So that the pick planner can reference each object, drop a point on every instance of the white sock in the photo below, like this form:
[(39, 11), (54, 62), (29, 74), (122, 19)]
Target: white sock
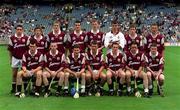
[(146, 90), (128, 89), (150, 87)]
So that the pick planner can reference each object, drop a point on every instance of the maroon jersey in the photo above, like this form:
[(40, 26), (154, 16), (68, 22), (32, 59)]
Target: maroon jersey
[(134, 61), (98, 37), (18, 45), (114, 63), (32, 61), (159, 40), (75, 65), (81, 40), (41, 44), (155, 63), (60, 39), (94, 61), (54, 62), (129, 40)]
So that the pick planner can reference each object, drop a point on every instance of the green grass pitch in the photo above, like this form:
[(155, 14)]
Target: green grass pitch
[(171, 101)]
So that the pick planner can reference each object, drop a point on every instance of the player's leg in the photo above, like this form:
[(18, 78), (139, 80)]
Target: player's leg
[(143, 76), (38, 82), (160, 82), (46, 75), (19, 82), (150, 82), (102, 82), (15, 63), (110, 83), (121, 75), (61, 78), (88, 82), (66, 82), (83, 82), (128, 81)]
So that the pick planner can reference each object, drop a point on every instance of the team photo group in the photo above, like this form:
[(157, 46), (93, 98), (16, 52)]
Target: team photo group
[(86, 63)]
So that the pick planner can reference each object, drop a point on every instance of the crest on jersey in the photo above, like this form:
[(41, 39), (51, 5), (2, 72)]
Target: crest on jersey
[(157, 60), (158, 40), (23, 40), (150, 40), (110, 60), (72, 61), (79, 61), (49, 59), (119, 59), (150, 60), (60, 38), (99, 36), (91, 37), (14, 40), (97, 58), (129, 58), (137, 41), (42, 43), (129, 42), (58, 58), (138, 57), (36, 58), (73, 38), (52, 38), (29, 58), (82, 37)]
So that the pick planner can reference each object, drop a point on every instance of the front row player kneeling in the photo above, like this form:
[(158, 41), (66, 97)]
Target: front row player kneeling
[(31, 67), (54, 65), (134, 68), (154, 62), (94, 75), (115, 66), (75, 68)]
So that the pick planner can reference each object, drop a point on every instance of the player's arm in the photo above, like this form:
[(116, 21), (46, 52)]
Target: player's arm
[(101, 69), (107, 43), (70, 71), (41, 63)]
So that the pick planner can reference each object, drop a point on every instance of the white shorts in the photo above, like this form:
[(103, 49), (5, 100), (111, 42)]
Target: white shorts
[(16, 63)]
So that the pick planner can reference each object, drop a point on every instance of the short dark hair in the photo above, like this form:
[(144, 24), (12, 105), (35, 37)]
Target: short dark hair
[(114, 22), (115, 43), (32, 42), (94, 42), (38, 27), (95, 20), (76, 46), (153, 45), (77, 21), (134, 43), (132, 26), (19, 26), (154, 24)]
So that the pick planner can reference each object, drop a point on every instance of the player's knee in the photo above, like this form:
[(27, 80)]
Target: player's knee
[(88, 76), (128, 74), (83, 75), (66, 75), (103, 76), (149, 74), (161, 77)]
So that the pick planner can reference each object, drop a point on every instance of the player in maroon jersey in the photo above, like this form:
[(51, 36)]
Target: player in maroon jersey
[(95, 64), (95, 35), (18, 44), (31, 66), (77, 37), (58, 36), (115, 66), (154, 61), (54, 65), (132, 36), (40, 39), (154, 37), (75, 68), (134, 60)]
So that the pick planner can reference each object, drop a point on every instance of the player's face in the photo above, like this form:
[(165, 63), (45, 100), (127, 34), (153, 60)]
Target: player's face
[(32, 48), (134, 49), (38, 32), (115, 47), (132, 30), (94, 47), (115, 27), (77, 26), (95, 25), (153, 50), (19, 30), (154, 29), (76, 51), (53, 46), (56, 27)]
